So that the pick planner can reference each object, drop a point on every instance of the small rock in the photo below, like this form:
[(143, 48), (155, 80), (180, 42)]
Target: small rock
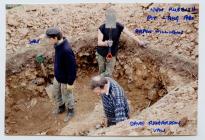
[(12, 22), (31, 9), (33, 102), (13, 122), (152, 94), (49, 90), (98, 126), (183, 35), (26, 117), (59, 123), (196, 25), (23, 32), (161, 92), (56, 10), (183, 121), (23, 84), (138, 60), (41, 89), (29, 25), (39, 81), (189, 31), (7, 131), (42, 133)]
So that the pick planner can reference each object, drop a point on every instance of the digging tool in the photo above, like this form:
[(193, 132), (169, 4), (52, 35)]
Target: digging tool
[(110, 23), (109, 55), (49, 88), (40, 59)]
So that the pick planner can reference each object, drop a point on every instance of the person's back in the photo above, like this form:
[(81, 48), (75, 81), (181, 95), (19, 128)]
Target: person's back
[(114, 101)]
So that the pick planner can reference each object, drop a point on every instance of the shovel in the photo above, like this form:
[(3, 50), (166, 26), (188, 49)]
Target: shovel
[(110, 24), (49, 88), (40, 59), (109, 55)]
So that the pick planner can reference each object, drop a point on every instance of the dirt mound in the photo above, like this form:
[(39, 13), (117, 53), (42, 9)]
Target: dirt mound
[(86, 18)]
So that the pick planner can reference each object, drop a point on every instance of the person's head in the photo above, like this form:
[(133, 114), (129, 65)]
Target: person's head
[(54, 35), (99, 84), (110, 18), (110, 11)]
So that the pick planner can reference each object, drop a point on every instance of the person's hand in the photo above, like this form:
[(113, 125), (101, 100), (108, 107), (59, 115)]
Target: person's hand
[(70, 87), (109, 43)]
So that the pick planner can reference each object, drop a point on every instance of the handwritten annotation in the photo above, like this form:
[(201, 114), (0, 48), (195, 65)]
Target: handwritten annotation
[(168, 18), (174, 9), (149, 31), (153, 123), (34, 41)]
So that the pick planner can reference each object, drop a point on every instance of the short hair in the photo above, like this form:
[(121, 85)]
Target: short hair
[(98, 81), (53, 32)]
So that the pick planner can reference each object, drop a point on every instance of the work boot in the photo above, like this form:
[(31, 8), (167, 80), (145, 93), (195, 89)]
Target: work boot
[(70, 113), (60, 109)]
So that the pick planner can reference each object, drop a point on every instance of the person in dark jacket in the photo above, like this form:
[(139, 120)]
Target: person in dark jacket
[(64, 72)]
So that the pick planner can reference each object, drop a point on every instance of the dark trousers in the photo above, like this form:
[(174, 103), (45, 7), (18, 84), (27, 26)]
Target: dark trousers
[(109, 123)]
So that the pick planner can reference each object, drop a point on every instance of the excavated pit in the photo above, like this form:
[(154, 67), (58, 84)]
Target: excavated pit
[(143, 73)]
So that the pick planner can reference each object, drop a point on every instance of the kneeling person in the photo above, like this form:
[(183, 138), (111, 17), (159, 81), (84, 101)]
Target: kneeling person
[(113, 98)]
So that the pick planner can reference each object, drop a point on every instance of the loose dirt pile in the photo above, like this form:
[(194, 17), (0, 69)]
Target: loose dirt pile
[(160, 81), (79, 19)]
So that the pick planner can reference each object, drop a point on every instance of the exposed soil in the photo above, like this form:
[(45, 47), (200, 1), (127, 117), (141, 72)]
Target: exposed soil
[(29, 110)]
